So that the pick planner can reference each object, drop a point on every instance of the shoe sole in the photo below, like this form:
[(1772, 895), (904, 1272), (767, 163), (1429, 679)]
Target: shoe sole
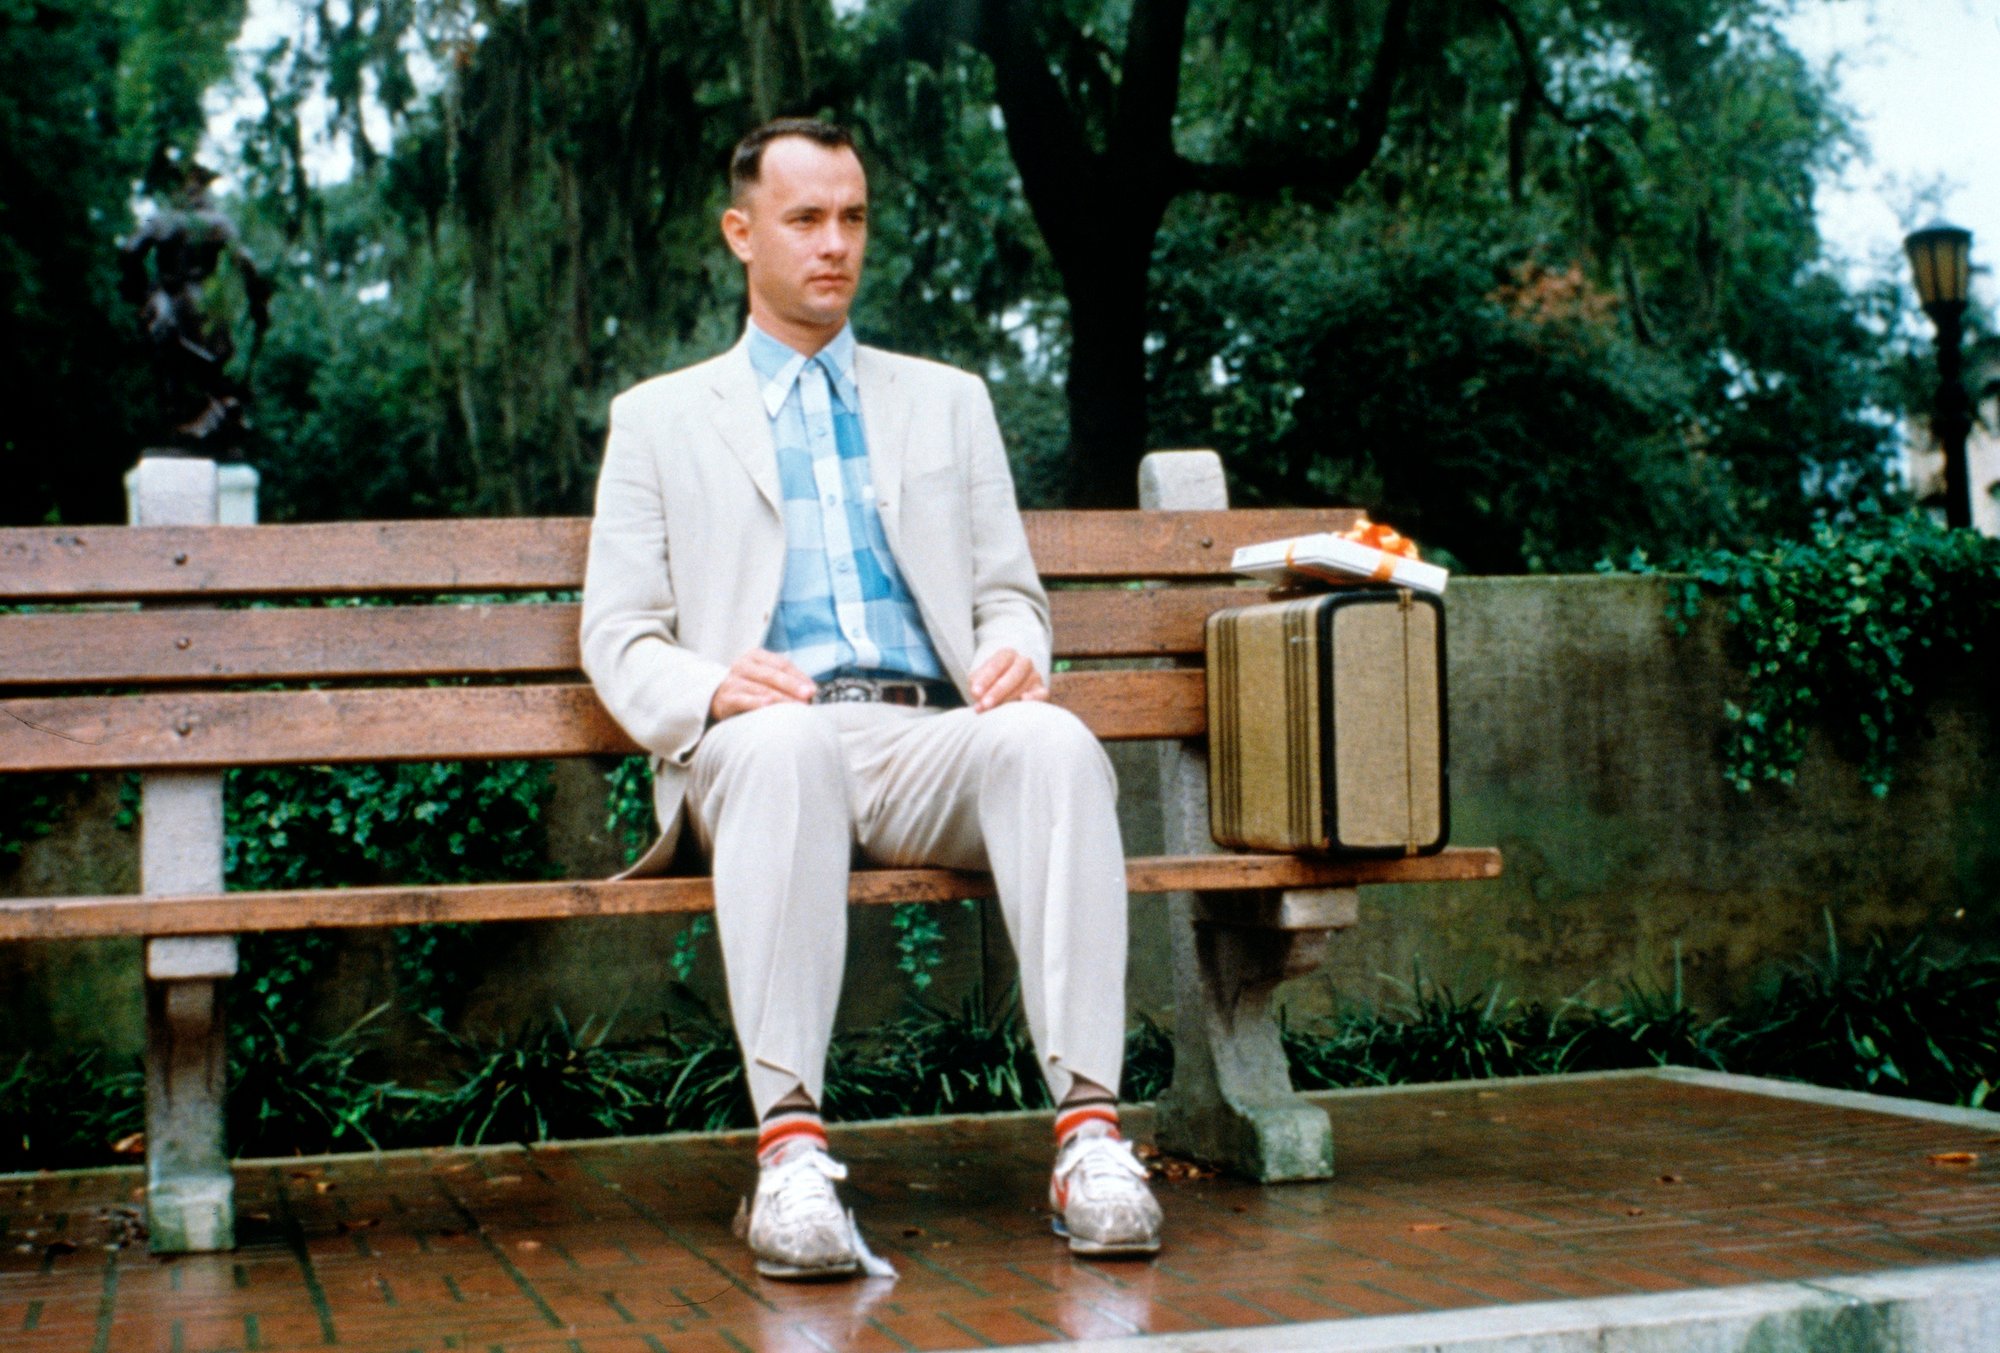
[(795, 1273), (1104, 1249)]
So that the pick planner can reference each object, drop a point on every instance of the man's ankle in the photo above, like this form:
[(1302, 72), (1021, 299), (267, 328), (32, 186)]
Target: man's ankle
[(1081, 1116), (787, 1130)]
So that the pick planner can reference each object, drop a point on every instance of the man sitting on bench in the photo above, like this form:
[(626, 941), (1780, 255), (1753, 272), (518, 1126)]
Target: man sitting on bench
[(809, 596)]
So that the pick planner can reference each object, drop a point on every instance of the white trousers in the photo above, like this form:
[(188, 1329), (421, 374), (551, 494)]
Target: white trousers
[(781, 798)]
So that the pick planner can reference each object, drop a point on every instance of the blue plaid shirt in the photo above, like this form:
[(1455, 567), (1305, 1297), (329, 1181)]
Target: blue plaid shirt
[(844, 606)]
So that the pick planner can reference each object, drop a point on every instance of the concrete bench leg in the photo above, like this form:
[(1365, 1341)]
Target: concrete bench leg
[(190, 1195), (1231, 1101)]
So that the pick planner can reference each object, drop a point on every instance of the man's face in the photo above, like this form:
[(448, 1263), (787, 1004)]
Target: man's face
[(800, 232)]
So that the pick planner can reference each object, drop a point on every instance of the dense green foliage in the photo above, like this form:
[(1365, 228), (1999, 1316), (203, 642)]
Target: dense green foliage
[(1894, 1021), (1852, 630), (1538, 281)]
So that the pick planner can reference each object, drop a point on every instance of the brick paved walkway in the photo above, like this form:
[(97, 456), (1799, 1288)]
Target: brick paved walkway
[(1447, 1198)]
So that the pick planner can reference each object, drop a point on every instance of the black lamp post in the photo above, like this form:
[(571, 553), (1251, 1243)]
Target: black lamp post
[(1941, 257)]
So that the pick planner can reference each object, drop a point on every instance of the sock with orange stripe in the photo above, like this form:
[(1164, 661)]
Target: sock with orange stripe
[(786, 1127), (1086, 1116)]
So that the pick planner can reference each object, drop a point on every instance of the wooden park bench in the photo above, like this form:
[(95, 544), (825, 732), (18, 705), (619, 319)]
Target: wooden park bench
[(126, 659)]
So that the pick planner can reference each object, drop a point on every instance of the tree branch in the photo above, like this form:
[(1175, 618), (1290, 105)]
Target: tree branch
[(1534, 90), (1326, 177), (1045, 131)]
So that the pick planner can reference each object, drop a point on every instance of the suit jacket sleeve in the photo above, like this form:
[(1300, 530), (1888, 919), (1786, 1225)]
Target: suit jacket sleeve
[(1009, 607), (657, 690)]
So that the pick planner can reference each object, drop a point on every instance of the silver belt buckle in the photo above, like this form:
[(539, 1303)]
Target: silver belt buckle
[(847, 691)]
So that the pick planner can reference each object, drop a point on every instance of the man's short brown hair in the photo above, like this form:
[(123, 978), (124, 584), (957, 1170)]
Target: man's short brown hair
[(746, 162)]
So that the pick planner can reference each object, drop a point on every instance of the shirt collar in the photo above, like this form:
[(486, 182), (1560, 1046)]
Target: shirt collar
[(778, 365)]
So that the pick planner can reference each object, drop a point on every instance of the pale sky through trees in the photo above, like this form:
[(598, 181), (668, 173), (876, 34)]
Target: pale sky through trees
[(1923, 77)]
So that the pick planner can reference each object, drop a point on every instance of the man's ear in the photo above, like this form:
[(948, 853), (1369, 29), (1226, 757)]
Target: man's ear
[(736, 233)]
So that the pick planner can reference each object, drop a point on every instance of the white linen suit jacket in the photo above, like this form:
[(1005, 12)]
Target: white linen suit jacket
[(687, 547)]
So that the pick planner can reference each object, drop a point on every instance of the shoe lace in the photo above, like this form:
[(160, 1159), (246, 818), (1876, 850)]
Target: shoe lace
[(1099, 1161), (801, 1183)]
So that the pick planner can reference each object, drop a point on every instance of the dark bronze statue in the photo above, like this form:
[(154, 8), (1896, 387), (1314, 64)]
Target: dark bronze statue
[(187, 243)]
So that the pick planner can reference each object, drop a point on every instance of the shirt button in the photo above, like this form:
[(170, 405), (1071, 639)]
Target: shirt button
[(833, 500)]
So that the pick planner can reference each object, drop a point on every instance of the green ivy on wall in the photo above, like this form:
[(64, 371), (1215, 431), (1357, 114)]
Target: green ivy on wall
[(1852, 631), (31, 806), (288, 827)]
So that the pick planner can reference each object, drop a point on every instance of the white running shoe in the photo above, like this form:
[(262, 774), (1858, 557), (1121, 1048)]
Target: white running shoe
[(1101, 1200), (798, 1229)]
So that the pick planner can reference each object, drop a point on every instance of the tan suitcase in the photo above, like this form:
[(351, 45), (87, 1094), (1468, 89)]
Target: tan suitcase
[(1326, 724)]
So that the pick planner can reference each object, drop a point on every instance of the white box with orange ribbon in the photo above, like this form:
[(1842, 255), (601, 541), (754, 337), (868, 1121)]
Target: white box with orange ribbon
[(1336, 560)]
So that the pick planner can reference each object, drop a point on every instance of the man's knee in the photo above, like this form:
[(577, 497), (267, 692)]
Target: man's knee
[(777, 738), (1044, 740)]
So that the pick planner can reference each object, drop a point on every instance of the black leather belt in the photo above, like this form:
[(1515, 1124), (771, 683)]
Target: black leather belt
[(843, 690)]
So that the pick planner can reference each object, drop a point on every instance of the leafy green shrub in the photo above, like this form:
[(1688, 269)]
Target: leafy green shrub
[(1851, 631), (288, 827)]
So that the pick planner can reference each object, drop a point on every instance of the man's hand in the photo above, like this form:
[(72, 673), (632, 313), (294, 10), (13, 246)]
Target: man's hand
[(1006, 676), (755, 680)]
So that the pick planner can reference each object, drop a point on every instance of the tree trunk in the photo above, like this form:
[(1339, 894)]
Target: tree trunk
[(1106, 388)]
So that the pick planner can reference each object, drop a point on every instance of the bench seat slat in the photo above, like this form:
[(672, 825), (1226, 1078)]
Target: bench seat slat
[(195, 730), (329, 643), (51, 918), (102, 563)]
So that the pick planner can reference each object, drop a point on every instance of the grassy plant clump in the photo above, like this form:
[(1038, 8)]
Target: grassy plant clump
[(1892, 1020), (293, 1095), (931, 1061), (1888, 1019), (56, 1113), (542, 1082)]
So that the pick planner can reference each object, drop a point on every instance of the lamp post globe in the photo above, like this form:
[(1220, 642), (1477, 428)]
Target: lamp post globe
[(1941, 259)]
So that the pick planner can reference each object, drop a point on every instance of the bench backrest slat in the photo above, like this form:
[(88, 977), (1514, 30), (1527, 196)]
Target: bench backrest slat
[(192, 730), (103, 563), (320, 643)]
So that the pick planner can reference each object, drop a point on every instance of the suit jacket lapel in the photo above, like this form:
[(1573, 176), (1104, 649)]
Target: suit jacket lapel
[(741, 423), (885, 419)]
